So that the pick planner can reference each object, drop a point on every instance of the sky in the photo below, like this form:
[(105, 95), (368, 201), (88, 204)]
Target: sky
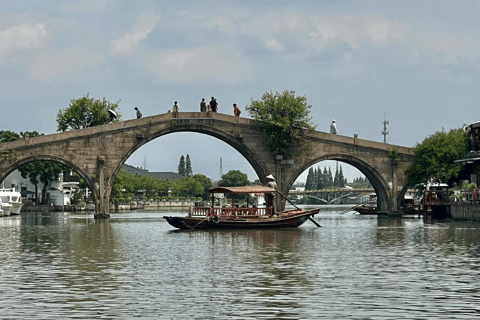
[(414, 62)]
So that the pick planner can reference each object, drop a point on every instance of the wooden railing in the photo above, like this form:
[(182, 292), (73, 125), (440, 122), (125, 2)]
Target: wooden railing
[(244, 212)]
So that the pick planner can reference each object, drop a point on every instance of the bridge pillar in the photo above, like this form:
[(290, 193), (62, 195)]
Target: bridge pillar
[(279, 201), (101, 201), (394, 205)]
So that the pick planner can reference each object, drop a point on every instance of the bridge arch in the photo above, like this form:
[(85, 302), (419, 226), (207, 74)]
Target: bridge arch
[(373, 175), (17, 164), (250, 155)]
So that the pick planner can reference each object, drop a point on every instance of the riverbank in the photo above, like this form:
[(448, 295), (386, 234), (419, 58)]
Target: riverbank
[(134, 205)]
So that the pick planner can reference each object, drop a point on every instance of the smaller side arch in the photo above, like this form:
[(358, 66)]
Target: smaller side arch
[(19, 162), (378, 182)]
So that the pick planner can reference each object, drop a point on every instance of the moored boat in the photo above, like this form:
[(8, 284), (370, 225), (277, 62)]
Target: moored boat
[(250, 215), (6, 208), (12, 197)]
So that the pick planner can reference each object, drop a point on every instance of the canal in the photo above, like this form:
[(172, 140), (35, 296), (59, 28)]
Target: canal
[(135, 266)]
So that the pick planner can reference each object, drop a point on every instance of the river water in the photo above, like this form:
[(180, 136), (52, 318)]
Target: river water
[(135, 266)]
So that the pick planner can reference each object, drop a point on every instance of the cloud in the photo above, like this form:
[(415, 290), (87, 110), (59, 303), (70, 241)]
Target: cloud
[(21, 37), (71, 62), (208, 64), (84, 6), (128, 44)]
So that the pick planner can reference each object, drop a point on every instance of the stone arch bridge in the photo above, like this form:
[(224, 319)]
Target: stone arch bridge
[(98, 153)]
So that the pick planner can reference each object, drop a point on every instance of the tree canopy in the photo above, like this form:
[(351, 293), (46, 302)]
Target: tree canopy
[(76, 115), (234, 178), (435, 156), (284, 117), (42, 172)]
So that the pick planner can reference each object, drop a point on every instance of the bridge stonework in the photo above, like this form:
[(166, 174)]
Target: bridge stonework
[(98, 153)]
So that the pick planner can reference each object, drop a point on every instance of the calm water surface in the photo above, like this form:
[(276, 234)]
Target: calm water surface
[(135, 266)]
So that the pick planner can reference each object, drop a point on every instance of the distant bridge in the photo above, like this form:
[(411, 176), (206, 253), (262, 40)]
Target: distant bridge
[(333, 194), (98, 153)]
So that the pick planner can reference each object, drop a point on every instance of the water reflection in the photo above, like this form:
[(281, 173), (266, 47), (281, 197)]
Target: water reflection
[(134, 265)]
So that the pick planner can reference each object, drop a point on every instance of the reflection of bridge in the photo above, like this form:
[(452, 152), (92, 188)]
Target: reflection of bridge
[(98, 153), (332, 195)]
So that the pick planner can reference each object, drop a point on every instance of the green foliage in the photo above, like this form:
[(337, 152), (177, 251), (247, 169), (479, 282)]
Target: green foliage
[(188, 167), (181, 166), (393, 153), (7, 136), (317, 180), (205, 182), (43, 172), (284, 117), (360, 183), (435, 156), (234, 178), (75, 115)]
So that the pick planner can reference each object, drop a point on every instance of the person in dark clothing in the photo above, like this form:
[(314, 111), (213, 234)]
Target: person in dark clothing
[(203, 106), (214, 104), (139, 114)]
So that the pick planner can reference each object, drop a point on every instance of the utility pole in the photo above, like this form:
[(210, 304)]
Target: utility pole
[(221, 172), (385, 131)]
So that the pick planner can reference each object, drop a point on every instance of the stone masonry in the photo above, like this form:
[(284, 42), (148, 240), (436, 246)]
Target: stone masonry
[(98, 153)]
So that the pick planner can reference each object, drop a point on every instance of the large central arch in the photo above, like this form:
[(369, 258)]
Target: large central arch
[(376, 179), (251, 156)]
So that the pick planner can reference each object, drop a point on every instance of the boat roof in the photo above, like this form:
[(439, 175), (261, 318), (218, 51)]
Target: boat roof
[(244, 189)]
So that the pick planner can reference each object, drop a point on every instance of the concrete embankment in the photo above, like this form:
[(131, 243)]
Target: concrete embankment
[(147, 205), (152, 205), (466, 211)]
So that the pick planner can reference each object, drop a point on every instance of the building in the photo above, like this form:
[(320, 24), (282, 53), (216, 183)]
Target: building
[(471, 161), (59, 192), (144, 172)]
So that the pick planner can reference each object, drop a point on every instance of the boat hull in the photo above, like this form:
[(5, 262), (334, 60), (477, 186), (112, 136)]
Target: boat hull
[(16, 207), (280, 221)]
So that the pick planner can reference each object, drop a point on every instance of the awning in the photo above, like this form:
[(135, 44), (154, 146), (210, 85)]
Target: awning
[(245, 189)]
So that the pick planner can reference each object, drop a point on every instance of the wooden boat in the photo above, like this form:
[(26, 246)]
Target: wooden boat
[(253, 215), (367, 209)]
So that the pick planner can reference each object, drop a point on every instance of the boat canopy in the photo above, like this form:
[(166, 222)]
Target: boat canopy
[(245, 189)]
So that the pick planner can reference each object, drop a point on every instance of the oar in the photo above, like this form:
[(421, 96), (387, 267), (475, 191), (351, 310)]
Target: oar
[(293, 204)]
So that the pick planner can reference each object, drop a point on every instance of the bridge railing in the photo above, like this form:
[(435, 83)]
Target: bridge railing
[(244, 212)]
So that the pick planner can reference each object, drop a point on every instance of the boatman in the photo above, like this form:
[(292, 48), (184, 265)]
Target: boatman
[(333, 127), (271, 196)]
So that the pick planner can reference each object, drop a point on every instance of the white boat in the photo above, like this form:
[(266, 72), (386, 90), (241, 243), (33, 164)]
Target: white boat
[(6, 208), (12, 197), (2, 213)]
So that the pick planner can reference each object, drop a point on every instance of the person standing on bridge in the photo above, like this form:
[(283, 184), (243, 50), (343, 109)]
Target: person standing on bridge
[(214, 104), (175, 109), (236, 110), (333, 127), (203, 106), (139, 114)]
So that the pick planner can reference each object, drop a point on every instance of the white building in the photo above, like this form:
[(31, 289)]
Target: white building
[(60, 191)]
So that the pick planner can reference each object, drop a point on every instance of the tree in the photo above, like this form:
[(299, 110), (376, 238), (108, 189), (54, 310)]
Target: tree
[(206, 183), (181, 166), (234, 178), (42, 172), (310, 179), (76, 115), (7, 136), (435, 156), (188, 167), (284, 117)]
